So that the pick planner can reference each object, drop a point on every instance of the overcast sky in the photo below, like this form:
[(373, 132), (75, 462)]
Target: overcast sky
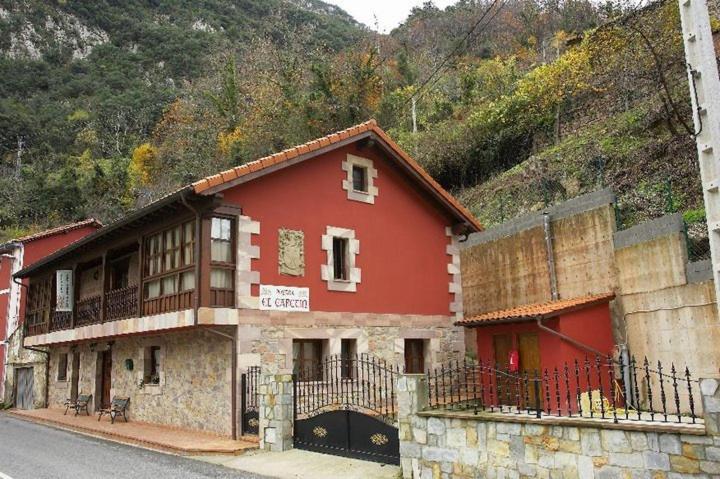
[(390, 13)]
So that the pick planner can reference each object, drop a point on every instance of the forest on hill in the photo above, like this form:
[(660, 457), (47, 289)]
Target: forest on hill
[(519, 103)]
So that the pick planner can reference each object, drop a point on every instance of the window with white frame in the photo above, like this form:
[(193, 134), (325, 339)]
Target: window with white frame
[(360, 180), (339, 270)]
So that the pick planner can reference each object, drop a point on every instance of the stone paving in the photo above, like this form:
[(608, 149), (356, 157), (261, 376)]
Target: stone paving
[(179, 441)]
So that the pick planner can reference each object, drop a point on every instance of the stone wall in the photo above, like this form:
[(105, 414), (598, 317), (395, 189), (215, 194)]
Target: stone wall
[(19, 357), (455, 445), (194, 386), (266, 337)]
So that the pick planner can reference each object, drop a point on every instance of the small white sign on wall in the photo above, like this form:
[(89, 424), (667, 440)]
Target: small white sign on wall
[(284, 298), (64, 290)]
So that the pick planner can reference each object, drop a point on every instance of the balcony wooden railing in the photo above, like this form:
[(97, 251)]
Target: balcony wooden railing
[(35, 323), (88, 311), (60, 320), (121, 303)]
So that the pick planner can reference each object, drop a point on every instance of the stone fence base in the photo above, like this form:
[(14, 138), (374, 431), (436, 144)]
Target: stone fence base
[(460, 445)]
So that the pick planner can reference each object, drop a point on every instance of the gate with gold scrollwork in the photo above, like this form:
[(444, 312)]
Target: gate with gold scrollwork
[(346, 406)]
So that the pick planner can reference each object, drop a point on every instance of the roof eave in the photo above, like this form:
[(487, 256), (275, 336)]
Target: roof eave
[(104, 231)]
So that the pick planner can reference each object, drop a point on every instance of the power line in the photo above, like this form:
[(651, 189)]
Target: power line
[(458, 46)]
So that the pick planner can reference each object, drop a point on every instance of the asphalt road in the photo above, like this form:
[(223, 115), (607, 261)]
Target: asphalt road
[(33, 451)]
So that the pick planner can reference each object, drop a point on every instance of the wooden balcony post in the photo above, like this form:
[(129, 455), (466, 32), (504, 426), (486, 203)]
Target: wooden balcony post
[(141, 274), (104, 281), (75, 291)]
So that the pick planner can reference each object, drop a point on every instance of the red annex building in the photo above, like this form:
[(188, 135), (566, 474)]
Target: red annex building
[(17, 254)]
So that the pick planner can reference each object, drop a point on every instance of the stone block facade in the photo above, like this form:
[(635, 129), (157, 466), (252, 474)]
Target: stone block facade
[(455, 445), (19, 357), (266, 337), (194, 378)]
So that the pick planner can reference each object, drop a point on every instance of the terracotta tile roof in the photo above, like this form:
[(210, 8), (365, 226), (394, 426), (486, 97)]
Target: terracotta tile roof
[(212, 181), (530, 312), (92, 222)]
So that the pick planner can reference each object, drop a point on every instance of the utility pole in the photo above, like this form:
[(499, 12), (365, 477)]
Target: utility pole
[(704, 85), (414, 115)]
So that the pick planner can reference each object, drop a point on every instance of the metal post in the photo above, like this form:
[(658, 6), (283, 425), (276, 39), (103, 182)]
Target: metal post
[(705, 96)]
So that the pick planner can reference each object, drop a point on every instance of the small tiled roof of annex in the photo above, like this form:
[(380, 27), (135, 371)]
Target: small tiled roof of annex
[(92, 222), (205, 184), (529, 312)]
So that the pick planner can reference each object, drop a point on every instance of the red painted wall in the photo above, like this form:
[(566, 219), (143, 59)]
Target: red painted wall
[(33, 251), (402, 257), (591, 326)]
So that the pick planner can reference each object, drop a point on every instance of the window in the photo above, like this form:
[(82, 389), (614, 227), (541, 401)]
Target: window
[(360, 180), (348, 354), (221, 240), (414, 356), (340, 249), (359, 177), (339, 270), (120, 273), (222, 260), (62, 367), (152, 365), (307, 359), (168, 262)]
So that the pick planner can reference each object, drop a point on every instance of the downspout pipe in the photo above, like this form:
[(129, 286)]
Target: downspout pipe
[(30, 348), (197, 253), (233, 379), (568, 339), (550, 257)]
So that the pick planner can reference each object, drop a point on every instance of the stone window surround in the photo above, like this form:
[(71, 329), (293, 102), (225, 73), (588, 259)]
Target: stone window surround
[(245, 277), (139, 368), (455, 284), (326, 270), (347, 184)]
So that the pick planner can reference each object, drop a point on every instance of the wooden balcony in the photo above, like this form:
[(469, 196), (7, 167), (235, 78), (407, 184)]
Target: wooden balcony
[(60, 320), (121, 303), (88, 311)]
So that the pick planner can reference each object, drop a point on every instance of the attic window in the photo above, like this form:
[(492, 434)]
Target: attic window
[(360, 179), (359, 176)]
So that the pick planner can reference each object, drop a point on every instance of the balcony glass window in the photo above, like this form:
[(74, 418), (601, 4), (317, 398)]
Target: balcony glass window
[(221, 240)]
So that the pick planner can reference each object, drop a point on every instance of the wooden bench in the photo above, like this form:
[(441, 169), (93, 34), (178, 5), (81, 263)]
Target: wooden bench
[(117, 406), (82, 402)]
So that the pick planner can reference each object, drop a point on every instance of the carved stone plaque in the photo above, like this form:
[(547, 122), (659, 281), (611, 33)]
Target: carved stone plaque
[(291, 252)]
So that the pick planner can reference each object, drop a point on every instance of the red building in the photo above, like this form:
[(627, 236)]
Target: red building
[(20, 253), (338, 247), (543, 336)]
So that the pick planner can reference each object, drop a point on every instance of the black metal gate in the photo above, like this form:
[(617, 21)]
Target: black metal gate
[(346, 406), (249, 400)]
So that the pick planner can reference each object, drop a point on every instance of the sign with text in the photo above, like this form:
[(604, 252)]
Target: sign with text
[(64, 290), (284, 298)]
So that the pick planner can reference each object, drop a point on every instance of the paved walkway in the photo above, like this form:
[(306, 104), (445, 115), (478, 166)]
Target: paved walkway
[(297, 464), (35, 451), (164, 438)]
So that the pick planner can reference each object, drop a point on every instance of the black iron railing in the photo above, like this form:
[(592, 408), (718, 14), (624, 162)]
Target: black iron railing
[(360, 382), (121, 303), (88, 311), (60, 320), (595, 388)]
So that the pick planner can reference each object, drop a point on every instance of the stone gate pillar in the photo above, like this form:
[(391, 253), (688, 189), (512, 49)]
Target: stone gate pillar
[(276, 412), (411, 398), (710, 390)]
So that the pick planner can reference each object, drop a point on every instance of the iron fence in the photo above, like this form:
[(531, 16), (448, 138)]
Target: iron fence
[(360, 382), (598, 387)]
